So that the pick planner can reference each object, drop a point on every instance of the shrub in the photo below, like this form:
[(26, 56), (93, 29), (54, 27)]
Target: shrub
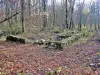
[(65, 34), (13, 29)]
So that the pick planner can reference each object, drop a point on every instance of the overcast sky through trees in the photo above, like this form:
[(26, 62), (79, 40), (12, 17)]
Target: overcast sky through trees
[(77, 0), (59, 1)]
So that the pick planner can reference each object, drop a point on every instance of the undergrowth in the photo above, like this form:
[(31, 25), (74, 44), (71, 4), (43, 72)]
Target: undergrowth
[(14, 29)]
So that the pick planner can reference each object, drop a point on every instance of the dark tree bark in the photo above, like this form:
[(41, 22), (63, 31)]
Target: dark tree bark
[(22, 14), (29, 7), (7, 11), (53, 12), (67, 14), (80, 15), (16, 10), (72, 2), (44, 15)]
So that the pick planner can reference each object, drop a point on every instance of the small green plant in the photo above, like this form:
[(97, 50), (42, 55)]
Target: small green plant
[(19, 73), (49, 73), (65, 34)]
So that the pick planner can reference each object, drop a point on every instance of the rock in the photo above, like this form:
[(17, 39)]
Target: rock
[(54, 44), (39, 42), (98, 40), (57, 38), (43, 40), (92, 65), (15, 39), (98, 59)]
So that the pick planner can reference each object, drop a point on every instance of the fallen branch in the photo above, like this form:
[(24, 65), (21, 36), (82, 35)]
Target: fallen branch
[(6, 19)]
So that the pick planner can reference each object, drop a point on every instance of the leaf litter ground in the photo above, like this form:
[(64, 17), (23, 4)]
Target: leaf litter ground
[(27, 58)]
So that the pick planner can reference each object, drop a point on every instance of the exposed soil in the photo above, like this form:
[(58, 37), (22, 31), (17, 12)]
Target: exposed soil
[(30, 58)]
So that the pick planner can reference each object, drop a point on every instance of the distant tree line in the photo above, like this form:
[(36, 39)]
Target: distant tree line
[(48, 14)]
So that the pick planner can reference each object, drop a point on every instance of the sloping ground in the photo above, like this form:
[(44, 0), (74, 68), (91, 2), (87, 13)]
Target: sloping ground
[(27, 58)]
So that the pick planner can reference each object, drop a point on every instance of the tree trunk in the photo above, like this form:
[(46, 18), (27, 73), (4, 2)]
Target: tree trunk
[(72, 2), (67, 14), (16, 12), (22, 14), (53, 13), (44, 15), (29, 7), (7, 12)]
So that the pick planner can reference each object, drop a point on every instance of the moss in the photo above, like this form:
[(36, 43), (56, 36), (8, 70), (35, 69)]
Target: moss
[(58, 44), (47, 43), (21, 40), (15, 28), (70, 40), (15, 39), (39, 42), (64, 35), (49, 73)]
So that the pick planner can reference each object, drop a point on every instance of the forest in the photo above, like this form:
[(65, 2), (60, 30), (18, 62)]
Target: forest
[(49, 37)]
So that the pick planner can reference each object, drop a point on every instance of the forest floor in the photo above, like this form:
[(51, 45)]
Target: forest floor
[(28, 58)]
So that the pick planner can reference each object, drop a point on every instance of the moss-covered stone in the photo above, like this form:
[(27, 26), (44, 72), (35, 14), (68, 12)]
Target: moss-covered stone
[(66, 34), (22, 40), (70, 40), (55, 44), (15, 39), (39, 42), (61, 35)]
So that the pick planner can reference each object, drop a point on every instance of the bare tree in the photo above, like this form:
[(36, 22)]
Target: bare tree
[(22, 14), (44, 15), (29, 10), (81, 6), (71, 24), (53, 2), (66, 13), (7, 11)]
